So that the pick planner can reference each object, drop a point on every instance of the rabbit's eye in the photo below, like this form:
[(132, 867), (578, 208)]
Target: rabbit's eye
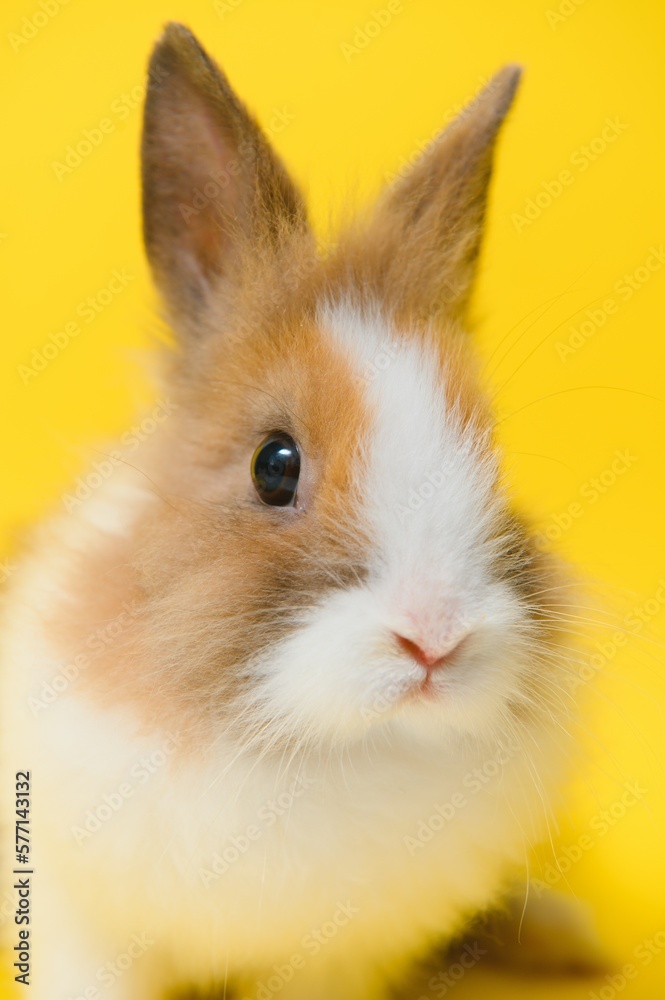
[(275, 469)]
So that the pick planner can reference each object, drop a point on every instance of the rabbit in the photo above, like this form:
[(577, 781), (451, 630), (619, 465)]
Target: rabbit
[(289, 689)]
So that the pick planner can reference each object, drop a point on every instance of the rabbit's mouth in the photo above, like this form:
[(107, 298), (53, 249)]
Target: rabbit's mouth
[(429, 687)]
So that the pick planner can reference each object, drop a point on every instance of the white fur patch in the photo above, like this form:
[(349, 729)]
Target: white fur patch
[(427, 495)]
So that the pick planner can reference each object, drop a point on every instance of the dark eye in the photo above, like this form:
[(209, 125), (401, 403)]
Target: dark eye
[(275, 469)]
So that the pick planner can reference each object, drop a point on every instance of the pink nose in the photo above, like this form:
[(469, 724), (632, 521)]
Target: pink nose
[(427, 657)]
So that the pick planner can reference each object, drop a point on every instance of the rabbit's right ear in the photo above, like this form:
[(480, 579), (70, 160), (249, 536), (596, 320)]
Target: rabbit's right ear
[(211, 181)]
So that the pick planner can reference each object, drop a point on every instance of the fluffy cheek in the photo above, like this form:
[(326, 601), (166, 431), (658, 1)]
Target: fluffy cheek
[(341, 676)]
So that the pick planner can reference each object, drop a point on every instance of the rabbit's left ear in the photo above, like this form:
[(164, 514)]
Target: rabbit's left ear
[(422, 242), (212, 184)]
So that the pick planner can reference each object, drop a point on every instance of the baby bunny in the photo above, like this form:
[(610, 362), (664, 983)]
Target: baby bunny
[(289, 687)]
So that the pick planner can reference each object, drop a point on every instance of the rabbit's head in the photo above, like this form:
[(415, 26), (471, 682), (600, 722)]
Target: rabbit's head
[(332, 551)]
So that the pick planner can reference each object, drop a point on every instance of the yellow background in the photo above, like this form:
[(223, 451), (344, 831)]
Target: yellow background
[(357, 116)]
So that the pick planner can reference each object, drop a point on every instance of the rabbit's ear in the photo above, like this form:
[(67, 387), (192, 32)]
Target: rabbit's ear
[(211, 181), (425, 234)]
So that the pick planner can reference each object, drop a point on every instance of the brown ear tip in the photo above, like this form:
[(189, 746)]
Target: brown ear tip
[(513, 73), (176, 33), (507, 80), (496, 98), (177, 42)]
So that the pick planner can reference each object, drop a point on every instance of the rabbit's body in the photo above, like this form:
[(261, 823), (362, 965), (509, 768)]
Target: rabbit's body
[(286, 727), (200, 869)]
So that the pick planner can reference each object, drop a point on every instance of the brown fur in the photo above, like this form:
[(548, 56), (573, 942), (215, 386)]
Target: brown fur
[(216, 576), (196, 132)]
